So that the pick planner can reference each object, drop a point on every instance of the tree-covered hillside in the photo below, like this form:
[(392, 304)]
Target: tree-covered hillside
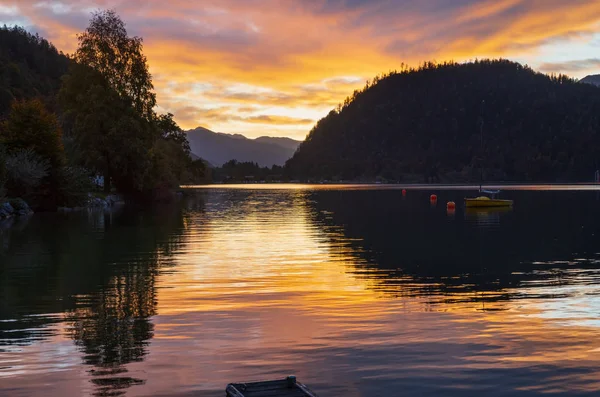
[(426, 124), (29, 67), (72, 125)]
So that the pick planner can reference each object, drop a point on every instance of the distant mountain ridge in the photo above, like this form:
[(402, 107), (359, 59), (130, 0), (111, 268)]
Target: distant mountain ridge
[(593, 79), (217, 148)]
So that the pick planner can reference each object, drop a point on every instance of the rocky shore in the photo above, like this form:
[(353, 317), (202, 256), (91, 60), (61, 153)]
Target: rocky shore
[(14, 208), (97, 202)]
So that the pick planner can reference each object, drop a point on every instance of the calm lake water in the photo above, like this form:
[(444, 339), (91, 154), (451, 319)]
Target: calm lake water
[(357, 291)]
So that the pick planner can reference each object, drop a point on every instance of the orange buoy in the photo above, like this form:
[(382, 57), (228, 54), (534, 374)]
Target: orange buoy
[(433, 197), (404, 192), (451, 205)]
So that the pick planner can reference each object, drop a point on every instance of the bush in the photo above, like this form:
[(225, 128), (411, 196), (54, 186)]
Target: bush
[(24, 171)]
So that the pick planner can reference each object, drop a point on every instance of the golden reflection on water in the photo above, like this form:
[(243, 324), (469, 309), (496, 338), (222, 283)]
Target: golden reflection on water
[(262, 284), (285, 288)]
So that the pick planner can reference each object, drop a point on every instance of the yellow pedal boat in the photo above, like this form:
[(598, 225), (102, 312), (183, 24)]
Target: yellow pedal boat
[(484, 201)]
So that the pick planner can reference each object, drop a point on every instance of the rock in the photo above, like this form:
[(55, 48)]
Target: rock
[(6, 210), (113, 199), (20, 207), (99, 202)]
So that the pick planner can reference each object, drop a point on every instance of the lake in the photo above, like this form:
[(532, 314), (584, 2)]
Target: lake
[(357, 290)]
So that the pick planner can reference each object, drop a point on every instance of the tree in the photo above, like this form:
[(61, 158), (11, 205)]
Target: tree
[(170, 131), (2, 172), (109, 103), (91, 110), (30, 126), (106, 48), (29, 67), (108, 106)]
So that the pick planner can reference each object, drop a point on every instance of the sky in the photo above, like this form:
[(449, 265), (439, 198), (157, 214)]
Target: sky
[(275, 67)]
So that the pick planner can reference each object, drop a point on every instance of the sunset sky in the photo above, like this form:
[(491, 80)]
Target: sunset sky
[(274, 67)]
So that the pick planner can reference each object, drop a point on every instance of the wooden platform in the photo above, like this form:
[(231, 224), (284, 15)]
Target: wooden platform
[(287, 387)]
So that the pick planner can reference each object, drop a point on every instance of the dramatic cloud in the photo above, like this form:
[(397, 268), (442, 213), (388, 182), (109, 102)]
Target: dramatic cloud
[(227, 64), (570, 66), (283, 120)]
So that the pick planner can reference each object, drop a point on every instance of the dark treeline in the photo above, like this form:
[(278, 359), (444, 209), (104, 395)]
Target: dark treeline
[(426, 124), (29, 67), (91, 115), (234, 171)]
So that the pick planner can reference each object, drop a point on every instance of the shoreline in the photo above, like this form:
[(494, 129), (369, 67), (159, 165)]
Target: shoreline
[(395, 186)]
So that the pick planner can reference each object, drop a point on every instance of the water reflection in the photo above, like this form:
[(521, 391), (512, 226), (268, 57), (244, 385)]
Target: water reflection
[(358, 292), (93, 282), (486, 217)]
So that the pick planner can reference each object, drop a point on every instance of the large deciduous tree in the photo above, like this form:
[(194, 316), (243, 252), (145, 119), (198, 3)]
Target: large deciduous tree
[(101, 122), (106, 48), (108, 102)]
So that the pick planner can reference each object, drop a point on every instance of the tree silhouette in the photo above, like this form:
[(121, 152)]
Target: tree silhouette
[(425, 124)]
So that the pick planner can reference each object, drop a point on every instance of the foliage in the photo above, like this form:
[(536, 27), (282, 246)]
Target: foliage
[(426, 124), (106, 48), (30, 125), (113, 137), (25, 171), (2, 172), (170, 131), (106, 110), (76, 184), (235, 171), (197, 173), (108, 102), (29, 67)]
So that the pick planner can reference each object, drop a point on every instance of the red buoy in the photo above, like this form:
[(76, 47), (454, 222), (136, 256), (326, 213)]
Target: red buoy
[(404, 192), (433, 197), (451, 205)]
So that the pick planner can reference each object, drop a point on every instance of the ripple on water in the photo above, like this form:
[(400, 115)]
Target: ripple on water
[(355, 290)]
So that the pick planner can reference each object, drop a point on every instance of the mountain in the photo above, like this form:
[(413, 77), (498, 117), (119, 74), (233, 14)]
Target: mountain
[(591, 79), (29, 67), (218, 148), (426, 124), (287, 143)]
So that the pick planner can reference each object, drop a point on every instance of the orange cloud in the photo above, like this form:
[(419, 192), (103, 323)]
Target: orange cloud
[(299, 58)]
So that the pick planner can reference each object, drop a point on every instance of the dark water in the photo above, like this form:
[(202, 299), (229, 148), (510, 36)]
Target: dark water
[(357, 292)]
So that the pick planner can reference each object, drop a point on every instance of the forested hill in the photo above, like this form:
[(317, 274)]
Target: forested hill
[(424, 125), (591, 79), (29, 67)]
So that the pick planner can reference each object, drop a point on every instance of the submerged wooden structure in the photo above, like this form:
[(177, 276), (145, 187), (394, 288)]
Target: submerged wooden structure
[(287, 387)]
